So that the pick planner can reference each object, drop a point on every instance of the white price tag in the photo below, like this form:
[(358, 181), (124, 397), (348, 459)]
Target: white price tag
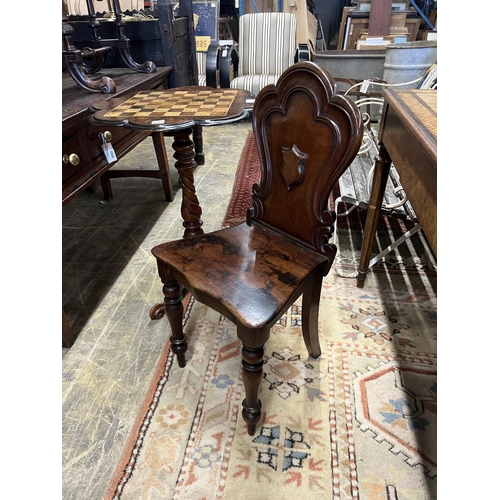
[(109, 152), (364, 86)]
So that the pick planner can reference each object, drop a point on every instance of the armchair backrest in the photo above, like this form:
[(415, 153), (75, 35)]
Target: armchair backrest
[(201, 62), (267, 43)]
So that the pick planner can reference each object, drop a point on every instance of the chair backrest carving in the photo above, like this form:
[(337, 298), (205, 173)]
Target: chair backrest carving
[(306, 135)]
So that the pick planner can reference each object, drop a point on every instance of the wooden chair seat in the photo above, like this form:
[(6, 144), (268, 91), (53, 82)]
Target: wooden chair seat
[(249, 273), (306, 136)]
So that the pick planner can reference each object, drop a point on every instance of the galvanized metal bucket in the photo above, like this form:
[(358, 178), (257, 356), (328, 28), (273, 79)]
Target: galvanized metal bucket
[(407, 62)]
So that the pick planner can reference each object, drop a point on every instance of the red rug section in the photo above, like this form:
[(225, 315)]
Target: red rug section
[(248, 173)]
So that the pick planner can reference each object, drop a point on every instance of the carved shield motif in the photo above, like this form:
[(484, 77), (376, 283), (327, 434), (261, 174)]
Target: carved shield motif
[(292, 166)]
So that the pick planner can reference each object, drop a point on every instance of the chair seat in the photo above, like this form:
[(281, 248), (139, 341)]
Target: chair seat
[(249, 272), (253, 83)]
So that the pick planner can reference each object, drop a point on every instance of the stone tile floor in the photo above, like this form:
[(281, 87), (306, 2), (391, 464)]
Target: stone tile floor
[(109, 283)]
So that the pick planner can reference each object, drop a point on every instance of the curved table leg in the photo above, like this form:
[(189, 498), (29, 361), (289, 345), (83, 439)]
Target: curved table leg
[(380, 175), (190, 209)]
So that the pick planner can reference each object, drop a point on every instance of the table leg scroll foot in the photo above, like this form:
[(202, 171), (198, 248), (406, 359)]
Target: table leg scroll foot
[(157, 311)]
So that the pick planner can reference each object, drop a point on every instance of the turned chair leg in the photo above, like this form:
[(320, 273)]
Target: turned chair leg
[(310, 315), (174, 311), (253, 361), (173, 308)]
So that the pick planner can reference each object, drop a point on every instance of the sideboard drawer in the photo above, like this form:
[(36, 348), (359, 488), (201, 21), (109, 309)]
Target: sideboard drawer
[(94, 141), (85, 161), (72, 157)]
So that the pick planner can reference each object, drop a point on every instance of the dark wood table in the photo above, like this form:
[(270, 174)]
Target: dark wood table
[(408, 139), (176, 111), (84, 162)]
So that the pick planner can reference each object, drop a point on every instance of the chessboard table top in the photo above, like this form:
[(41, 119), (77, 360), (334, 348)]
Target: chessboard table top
[(180, 107)]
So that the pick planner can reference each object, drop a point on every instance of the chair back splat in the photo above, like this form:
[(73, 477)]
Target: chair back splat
[(306, 136)]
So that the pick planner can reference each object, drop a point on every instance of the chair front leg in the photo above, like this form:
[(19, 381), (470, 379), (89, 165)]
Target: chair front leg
[(174, 311), (252, 380), (310, 315)]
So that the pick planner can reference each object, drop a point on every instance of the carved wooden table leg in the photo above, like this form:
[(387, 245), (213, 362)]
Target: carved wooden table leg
[(163, 172), (190, 209), (380, 175), (161, 158), (252, 380)]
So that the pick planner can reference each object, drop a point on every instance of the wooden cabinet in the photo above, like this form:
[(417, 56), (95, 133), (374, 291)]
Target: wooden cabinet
[(83, 159)]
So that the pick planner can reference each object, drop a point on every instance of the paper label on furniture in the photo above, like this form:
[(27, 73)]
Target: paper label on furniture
[(364, 86), (109, 152), (157, 122), (202, 43)]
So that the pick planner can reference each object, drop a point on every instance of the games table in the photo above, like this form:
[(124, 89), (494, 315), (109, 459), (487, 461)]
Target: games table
[(176, 111)]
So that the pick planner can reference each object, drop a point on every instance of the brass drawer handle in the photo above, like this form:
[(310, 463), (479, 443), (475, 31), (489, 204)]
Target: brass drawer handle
[(73, 158), (105, 136)]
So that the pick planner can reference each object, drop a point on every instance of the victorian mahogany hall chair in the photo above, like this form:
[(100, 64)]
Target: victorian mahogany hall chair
[(306, 135)]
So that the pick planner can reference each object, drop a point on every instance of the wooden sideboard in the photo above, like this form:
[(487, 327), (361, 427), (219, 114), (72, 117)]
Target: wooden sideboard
[(83, 158)]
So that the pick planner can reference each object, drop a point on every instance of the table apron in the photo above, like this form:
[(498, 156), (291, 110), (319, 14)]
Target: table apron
[(418, 173)]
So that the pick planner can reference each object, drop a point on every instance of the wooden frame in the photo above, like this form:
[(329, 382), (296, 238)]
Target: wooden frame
[(351, 27)]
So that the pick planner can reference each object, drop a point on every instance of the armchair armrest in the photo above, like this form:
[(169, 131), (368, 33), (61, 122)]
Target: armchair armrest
[(302, 53), (212, 64), (228, 56)]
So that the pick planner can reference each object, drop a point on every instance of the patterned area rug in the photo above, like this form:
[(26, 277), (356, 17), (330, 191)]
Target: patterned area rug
[(247, 174), (359, 422)]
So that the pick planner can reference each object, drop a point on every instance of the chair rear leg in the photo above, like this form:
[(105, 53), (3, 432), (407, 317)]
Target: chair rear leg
[(310, 314)]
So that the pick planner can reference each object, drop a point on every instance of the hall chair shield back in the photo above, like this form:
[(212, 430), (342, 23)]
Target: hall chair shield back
[(302, 144), (267, 47), (306, 136)]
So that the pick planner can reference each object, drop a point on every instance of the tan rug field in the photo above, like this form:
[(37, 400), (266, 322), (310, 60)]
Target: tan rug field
[(358, 422)]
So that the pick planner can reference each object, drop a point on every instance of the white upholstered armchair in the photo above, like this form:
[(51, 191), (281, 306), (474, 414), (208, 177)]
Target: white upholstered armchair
[(208, 63), (267, 47)]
